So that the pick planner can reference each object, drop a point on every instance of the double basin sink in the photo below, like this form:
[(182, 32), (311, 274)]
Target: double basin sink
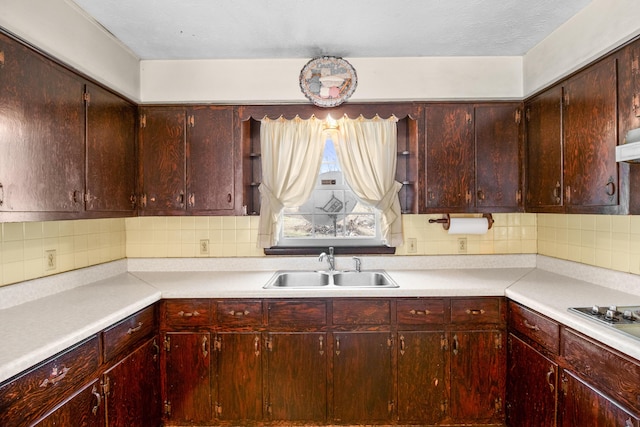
[(318, 279)]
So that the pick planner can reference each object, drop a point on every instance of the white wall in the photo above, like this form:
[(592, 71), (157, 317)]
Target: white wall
[(61, 29), (245, 81), (597, 29)]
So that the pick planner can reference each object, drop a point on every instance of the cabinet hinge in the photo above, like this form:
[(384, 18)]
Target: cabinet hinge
[(498, 341), (106, 386), (467, 197), (519, 196), (444, 406), (268, 408), (86, 97), (132, 200), (143, 121), (1, 194), (527, 115), (635, 65), (469, 118), (192, 121), (167, 344), (143, 200), (218, 408), (217, 344), (1, 58), (498, 405), (565, 98), (390, 342), (390, 406), (518, 116), (167, 408), (444, 343), (268, 343)]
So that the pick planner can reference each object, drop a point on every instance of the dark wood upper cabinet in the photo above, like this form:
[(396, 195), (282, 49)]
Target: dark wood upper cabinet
[(42, 117), (111, 152), (188, 161), (543, 115), (590, 138), (473, 157), (450, 178)]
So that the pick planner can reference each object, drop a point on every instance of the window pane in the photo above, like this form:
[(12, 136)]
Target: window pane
[(296, 226), (360, 225)]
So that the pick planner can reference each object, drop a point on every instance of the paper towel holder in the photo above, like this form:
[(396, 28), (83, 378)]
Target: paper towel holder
[(446, 221)]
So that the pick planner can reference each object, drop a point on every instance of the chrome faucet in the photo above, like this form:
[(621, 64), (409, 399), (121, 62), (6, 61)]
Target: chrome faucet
[(358, 262), (330, 259)]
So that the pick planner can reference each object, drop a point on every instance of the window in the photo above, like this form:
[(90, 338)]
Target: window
[(332, 216)]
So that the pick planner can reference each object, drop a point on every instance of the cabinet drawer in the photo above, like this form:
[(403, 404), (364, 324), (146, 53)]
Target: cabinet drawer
[(239, 313), (361, 312), (187, 312), (476, 310), (420, 311), (615, 375), (126, 333), (532, 325), (297, 313), (33, 394)]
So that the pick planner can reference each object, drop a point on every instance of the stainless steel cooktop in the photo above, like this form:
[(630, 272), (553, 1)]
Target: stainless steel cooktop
[(625, 319)]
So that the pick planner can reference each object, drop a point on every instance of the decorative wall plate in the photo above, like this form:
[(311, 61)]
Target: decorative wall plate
[(328, 81)]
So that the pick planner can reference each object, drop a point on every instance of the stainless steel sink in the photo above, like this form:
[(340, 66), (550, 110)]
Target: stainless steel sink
[(364, 279), (318, 279), (298, 279)]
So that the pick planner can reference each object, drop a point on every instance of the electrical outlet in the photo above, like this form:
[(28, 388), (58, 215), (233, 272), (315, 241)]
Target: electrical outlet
[(462, 245), (204, 247), (50, 260), (412, 245)]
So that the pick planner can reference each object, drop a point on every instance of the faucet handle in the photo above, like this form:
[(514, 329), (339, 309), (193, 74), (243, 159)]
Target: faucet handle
[(331, 250), (358, 262)]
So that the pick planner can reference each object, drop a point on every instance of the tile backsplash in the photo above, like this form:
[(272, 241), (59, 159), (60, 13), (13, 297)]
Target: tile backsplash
[(603, 240)]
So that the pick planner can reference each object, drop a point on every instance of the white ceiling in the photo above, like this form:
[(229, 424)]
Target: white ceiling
[(244, 29)]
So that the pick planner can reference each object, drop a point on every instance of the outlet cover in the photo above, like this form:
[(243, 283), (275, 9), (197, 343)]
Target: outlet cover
[(204, 247), (412, 245), (462, 245), (50, 260)]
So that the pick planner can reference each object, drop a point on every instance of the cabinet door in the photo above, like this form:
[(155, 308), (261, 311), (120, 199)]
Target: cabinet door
[(581, 405), (362, 377), (238, 381), (297, 381), (132, 389), (85, 409), (477, 376), (188, 377), (531, 386), (42, 138), (111, 153), (449, 158), (497, 133), (211, 159), (543, 116), (421, 377), (162, 158), (590, 138)]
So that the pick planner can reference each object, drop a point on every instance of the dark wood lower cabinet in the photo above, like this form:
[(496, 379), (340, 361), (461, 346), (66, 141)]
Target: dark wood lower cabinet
[(581, 405), (85, 409), (422, 395), (238, 379), (531, 386), (188, 377), (297, 376), (477, 376), (362, 377), (131, 388)]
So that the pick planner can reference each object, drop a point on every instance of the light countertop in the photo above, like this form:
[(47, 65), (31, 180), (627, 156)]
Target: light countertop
[(37, 328)]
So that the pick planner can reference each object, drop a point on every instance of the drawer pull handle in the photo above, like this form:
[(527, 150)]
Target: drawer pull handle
[(188, 314), (321, 342), (56, 375), (136, 329), (402, 345), (205, 347), (474, 311), (239, 313), (530, 326), (94, 391), (337, 346), (455, 345), (420, 312)]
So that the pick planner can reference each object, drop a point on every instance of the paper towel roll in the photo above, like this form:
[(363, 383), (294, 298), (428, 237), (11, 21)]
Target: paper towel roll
[(468, 225)]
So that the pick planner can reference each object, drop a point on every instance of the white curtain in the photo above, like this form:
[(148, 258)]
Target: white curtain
[(367, 151), (291, 153)]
